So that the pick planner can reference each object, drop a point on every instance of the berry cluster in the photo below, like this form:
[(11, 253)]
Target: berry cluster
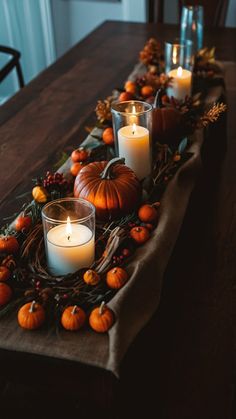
[(55, 182)]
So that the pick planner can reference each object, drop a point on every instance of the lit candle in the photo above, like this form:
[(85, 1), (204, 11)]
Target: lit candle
[(70, 247), (180, 84), (134, 146), (133, 119)]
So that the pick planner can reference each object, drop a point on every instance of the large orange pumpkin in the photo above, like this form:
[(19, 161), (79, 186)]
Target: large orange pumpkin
[(167, 122), (112, 187)]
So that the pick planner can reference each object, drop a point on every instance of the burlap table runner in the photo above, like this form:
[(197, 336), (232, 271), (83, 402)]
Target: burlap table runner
[(136, 302)]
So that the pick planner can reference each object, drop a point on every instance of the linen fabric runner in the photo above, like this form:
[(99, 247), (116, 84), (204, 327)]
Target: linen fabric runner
[(136, 302)]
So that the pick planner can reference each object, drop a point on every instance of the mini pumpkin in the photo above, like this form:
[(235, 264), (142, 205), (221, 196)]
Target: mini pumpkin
[(101, 318), (108, 136), (23, 223), (140, 234), (40, 194), (9, 244), (91, 277), (4, 273), (5, 293), (111, 186), (116, 277), (147, 213), (80, 154), (167, 121), (31, 315), (73, 318), (76, 167)]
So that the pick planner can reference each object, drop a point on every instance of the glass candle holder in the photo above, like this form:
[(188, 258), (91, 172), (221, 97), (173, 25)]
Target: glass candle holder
[(179, 54), (132, 130), (179, 63), (69, 235)]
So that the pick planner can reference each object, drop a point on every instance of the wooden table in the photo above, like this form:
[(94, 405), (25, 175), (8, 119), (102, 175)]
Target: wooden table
[(188, 346)]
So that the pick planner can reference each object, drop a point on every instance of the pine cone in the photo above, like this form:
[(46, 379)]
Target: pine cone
[(103, 109)]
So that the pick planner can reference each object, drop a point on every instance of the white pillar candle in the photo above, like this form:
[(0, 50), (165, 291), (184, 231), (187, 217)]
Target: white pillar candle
[(69, 248), (181, 83), (134, 147)]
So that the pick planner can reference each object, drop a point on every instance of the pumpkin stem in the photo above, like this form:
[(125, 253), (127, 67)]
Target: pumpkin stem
[(32, 307), (101, 308), (74, 310), (156, 204), (158, 99), (107, 172)]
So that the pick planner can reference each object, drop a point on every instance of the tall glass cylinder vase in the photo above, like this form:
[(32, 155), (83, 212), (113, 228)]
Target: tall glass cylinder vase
[(132, 128), (191, 26)]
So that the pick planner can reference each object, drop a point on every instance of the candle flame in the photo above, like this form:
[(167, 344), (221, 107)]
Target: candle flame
[(174, 55), (179, 72), (68, 228), (134, 128), (133, 109)]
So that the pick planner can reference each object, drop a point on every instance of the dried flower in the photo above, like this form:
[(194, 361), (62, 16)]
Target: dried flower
[(103, 109), (212, 115)]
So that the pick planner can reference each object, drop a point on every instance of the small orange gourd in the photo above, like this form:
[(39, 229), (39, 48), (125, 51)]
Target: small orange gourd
[(23, 223), (73, 318), (147, 213), (5, 293), (116, 277), (31, 315), (9, 244), (101, 318), (91, 277), (40, 194), (80, 154), (4, 273), (140, 234)]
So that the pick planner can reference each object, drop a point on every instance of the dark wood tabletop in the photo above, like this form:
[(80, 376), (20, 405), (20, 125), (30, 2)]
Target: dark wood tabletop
[(182, 364)]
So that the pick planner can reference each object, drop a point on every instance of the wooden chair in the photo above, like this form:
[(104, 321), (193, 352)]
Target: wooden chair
[(155, 11), (215, 11), (13, 63)]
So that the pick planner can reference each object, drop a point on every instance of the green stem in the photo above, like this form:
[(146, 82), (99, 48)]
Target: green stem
[(107, 172)]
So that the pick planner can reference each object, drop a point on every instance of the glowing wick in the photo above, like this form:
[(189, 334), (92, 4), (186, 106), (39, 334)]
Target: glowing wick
[(68, 228), (179, 72), (134, 128)]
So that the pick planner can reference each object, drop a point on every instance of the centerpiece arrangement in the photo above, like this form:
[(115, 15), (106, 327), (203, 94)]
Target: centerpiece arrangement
[(56, 262)]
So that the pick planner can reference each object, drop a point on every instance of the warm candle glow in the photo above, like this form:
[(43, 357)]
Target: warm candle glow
[(134, 128), (174, 55), (68, 228), (179, 72), (133, 110)]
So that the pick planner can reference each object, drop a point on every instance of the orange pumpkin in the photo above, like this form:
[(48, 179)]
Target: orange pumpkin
[(91, 277), (108, 136), (116, 277), (31, 315), (112, 187), (76, 167), (4, 273), (130, 87), (23, 223), (73, 318), (167, 122), (147, 213), (125, 96), (9, 244), (101, 318), (5, 293), (80, 154), (140, 234)]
